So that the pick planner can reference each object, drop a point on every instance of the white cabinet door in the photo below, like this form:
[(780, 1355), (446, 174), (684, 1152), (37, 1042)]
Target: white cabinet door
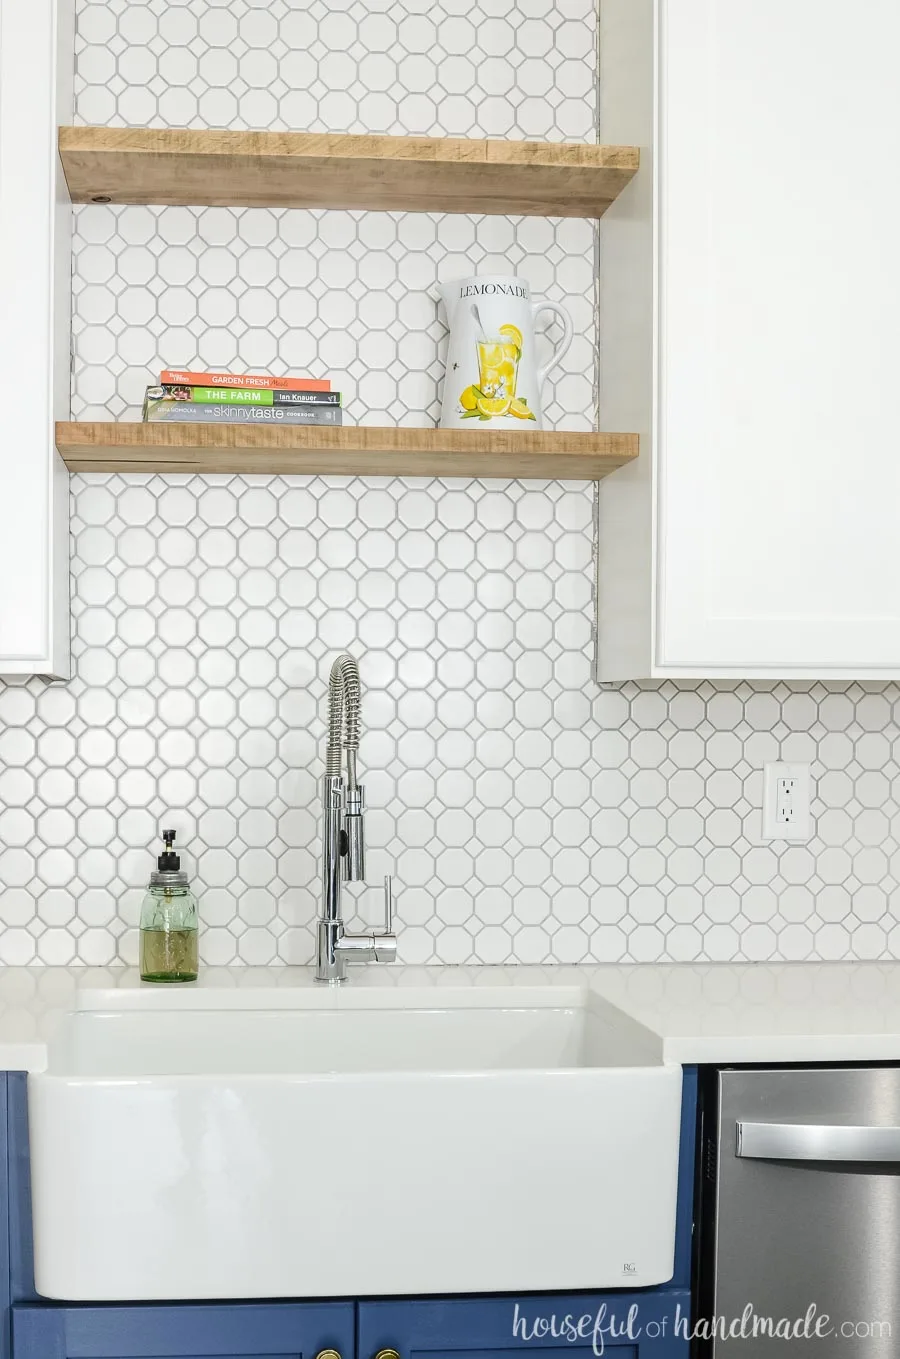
[(36, 60), (771, 495)]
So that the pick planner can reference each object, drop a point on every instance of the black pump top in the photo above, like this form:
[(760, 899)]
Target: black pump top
[(169, 861)]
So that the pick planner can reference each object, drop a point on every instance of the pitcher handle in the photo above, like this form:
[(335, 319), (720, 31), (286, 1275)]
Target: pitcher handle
[(568, 335)]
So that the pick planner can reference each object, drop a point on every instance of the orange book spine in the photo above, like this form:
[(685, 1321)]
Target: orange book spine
[(269, 384)]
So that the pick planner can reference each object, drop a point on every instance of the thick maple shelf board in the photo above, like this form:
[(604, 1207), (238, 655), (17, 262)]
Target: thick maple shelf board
[(347, 451), (326, 170)]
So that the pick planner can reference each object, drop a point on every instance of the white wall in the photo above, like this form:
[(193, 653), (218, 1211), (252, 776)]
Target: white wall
[(528, 815)]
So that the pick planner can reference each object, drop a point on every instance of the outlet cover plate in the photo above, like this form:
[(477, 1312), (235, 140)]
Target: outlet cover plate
[(793, 801)]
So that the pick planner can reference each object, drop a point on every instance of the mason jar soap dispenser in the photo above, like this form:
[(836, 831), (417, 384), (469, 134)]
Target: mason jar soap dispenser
[(169, 934)]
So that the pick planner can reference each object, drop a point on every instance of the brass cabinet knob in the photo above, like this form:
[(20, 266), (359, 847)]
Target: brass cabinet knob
[(329, 1354), (388, 1354)]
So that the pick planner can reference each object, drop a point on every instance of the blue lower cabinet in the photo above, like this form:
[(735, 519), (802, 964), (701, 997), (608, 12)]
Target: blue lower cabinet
[(635, 1325), (186, 1331)]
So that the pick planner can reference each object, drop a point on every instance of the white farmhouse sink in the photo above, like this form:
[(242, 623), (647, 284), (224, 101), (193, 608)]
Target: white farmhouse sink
[(354, 1144)]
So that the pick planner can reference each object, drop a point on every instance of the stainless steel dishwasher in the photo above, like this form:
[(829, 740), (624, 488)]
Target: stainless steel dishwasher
[(801, 1210)]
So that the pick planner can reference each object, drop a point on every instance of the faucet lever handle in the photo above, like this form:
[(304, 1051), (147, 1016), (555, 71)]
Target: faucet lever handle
[(388, 904)]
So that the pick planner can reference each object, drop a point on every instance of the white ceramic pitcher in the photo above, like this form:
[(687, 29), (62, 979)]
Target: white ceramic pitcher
[(492, 377)]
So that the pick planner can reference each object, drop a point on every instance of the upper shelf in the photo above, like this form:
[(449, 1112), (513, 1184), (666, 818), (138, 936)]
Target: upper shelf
[(326, 170), (363, 450)]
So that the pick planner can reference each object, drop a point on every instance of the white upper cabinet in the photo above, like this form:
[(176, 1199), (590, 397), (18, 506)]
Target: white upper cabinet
[(36, 60), (750, 330)]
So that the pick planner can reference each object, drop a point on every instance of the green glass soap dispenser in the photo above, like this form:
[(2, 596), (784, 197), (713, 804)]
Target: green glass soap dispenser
[(169, 933)]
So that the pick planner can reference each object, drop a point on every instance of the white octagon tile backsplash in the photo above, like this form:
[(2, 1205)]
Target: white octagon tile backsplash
[(527, 815), (346, 295), (452, 68)]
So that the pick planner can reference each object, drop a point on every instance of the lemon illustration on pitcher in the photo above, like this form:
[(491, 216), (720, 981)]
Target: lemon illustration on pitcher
[(498, 371)]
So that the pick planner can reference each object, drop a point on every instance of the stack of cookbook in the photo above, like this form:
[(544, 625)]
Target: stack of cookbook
[(234, 399)]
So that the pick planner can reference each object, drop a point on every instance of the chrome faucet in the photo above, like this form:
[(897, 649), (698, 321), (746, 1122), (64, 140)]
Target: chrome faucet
[(344, 850)]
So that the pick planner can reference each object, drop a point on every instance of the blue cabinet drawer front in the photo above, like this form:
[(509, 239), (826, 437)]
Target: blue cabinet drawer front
[(551, 1326), (185, 1331)]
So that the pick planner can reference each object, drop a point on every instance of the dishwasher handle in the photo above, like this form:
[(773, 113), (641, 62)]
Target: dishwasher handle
[(815, 1142)]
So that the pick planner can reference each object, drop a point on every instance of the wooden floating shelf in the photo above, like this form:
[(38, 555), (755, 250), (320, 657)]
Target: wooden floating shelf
[(346, 451), (326, 170)]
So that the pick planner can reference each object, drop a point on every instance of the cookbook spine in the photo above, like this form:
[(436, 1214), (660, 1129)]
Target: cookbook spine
[(187, 412), (267, 382), (242, 396)]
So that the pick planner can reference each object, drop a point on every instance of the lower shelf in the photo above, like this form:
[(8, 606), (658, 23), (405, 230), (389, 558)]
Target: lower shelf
[(348, 451)]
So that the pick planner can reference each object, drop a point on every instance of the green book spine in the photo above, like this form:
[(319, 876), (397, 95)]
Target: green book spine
[(243, 396)]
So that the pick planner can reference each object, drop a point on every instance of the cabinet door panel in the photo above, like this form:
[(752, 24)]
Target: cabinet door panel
[(779, 474), (620, 1350), (503, 1327), (185, 1331), (35, 305)]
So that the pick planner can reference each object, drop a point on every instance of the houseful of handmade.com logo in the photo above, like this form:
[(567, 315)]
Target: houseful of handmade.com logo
[(605, 1327)]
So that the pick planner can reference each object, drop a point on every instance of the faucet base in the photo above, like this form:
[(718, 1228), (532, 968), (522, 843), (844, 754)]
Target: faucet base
[(335, 949), (330, 966)]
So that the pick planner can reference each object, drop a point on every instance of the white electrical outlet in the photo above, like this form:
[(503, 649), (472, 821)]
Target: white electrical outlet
[(786, 796)]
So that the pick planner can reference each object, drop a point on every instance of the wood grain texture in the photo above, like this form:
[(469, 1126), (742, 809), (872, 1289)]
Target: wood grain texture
[(327, 170), (347, 451)]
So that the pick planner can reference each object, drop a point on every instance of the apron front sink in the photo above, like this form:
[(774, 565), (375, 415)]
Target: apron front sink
[(404, 1143)]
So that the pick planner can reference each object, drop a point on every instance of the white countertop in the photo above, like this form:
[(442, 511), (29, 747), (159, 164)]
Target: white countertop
[(717, 1012)]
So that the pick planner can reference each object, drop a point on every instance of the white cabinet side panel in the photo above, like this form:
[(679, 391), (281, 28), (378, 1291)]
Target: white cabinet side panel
[(35, 95), (625, 526), (61, 341), (780, 457)]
